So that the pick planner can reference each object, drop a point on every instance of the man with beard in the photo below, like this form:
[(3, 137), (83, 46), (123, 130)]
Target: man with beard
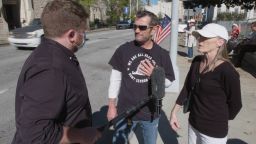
[(52, 104), (133, 63)]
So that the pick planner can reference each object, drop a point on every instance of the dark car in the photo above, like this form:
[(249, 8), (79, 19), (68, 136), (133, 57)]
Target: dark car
[(123, 25)]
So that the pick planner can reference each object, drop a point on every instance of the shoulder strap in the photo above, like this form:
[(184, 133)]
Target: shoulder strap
[(197, 75)]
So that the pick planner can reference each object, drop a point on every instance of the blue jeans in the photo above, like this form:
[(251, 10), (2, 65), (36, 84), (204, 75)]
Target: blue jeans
[(190, 52), (149, 131)]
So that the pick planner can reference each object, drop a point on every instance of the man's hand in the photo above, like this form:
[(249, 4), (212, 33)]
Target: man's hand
[(112, 111), (91, 135), (146, 67), (88, 135)]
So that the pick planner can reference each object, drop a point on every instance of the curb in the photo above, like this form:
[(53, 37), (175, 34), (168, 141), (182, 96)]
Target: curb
[(3, 42), (101, 29)]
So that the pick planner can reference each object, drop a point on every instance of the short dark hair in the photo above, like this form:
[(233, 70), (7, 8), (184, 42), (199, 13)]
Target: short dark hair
[(142, 13), (59, 16)]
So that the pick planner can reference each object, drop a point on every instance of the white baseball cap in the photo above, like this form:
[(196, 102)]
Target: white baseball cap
[(212, 30), (235, 25), (191, 21)]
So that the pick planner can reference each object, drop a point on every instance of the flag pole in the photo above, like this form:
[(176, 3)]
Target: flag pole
[(174, 44)]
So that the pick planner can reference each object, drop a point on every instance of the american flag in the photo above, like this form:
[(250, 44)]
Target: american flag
[(163, 30)]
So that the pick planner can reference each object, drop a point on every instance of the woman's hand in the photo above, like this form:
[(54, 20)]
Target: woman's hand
[(173, 118), (174, 122)]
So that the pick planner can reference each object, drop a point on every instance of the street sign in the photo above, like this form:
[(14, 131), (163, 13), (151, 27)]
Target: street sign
[(126, 10)]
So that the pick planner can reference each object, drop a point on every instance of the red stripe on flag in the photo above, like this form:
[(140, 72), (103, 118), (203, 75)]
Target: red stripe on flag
[(162, 33)]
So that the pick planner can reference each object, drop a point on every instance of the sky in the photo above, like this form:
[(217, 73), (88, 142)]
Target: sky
[(154, 2)]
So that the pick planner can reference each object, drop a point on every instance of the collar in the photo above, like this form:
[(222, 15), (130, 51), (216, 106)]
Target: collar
[(60, 46), (139, 45), (71, 56)]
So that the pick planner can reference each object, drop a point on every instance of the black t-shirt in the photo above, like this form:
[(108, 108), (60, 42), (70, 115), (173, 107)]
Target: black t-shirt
[(217, 98), (135, 85), (51, 93)]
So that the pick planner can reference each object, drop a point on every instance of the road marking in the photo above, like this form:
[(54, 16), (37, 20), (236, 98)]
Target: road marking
[(3, 91)]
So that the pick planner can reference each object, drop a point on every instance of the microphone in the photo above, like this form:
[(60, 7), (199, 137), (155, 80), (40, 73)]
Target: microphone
[(158, 87), (158, 90)]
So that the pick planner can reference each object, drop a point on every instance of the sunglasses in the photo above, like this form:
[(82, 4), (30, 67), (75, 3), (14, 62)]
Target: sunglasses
[(141, 27)]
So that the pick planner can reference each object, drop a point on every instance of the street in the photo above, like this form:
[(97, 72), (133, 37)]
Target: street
[(94, 63), (93, 60)]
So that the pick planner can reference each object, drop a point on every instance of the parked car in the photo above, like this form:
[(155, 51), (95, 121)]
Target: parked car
[(123, 25), (28, 36)]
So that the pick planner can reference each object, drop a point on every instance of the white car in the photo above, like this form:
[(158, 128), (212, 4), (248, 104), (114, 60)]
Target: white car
[(28, 36)]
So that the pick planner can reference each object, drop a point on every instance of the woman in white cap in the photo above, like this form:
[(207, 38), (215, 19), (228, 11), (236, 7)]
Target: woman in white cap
[(216, 96)]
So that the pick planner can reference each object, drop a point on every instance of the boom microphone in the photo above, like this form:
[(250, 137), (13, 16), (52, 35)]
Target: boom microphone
[(158, 87), (158, 91)]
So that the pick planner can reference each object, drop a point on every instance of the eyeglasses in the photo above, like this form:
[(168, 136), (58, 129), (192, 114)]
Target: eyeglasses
[(141, 27), (83, 34)]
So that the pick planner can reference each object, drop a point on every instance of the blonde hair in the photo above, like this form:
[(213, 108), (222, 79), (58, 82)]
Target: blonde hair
[(222, 54)]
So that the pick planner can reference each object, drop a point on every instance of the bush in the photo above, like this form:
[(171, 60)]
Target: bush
[(226, 16)]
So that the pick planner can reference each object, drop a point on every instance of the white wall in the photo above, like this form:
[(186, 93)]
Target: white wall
[(165, 8), (4, 31), (26, 12)]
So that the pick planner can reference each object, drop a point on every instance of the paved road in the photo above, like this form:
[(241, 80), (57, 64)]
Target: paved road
[(93, 61)]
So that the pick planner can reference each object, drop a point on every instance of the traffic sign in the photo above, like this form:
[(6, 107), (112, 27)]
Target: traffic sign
[(126, 10)]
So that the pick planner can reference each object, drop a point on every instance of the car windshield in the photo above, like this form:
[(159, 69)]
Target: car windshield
[(35, 22)]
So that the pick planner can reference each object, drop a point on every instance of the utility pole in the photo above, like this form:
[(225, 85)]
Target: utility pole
[(174, 45), (130, 11), (137, 5)]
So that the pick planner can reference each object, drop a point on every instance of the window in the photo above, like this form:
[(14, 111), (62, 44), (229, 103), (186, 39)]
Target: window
[(236, 10), (218, 10), (32, 3)]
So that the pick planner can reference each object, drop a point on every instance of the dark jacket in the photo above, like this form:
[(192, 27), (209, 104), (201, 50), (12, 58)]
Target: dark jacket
[(51, 93)]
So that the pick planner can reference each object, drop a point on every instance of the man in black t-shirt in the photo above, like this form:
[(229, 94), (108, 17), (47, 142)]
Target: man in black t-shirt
[(133, 63)]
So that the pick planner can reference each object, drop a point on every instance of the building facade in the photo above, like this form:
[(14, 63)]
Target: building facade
[(161, 8), (98, 11), (237, 9), (3, 26), (19, 13)]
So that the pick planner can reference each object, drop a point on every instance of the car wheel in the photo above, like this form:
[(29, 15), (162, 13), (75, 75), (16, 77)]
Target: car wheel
[(20, 48), (26, 48)]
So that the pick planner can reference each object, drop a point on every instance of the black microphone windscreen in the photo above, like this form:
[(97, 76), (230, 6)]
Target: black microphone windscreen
[(158, 82)]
